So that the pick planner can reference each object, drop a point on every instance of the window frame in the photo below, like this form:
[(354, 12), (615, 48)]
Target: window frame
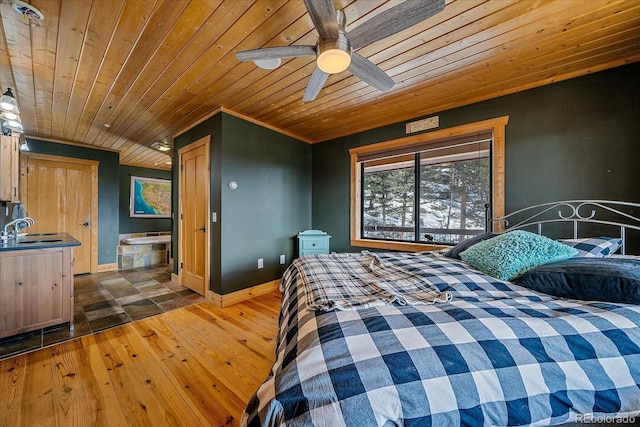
[(495, 125)]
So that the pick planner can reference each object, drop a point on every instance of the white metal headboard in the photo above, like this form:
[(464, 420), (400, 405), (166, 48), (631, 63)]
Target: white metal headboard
[(622, 215)]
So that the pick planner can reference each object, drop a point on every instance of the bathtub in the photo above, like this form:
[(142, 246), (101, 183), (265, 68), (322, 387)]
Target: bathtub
[(144, 251), (165, 238)]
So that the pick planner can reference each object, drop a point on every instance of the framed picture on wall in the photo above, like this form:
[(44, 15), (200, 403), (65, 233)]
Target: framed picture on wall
[(150, 198)]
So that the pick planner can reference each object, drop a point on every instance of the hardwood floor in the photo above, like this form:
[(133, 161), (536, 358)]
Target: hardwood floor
[(193, 366)]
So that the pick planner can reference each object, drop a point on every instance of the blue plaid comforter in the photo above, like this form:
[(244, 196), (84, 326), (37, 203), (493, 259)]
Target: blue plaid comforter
[(497, 354)]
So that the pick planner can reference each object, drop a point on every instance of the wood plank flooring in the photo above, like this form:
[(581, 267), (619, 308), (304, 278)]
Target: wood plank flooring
[(193, 366)]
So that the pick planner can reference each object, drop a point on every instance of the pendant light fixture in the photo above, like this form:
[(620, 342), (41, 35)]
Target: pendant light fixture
[(8, 102), (10, 114), (4, 115), (14, 125)]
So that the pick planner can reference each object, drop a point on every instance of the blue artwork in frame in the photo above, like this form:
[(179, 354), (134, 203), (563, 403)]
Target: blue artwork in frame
[(150, 198)]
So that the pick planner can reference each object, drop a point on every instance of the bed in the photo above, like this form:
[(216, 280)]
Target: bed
[(382, 339)]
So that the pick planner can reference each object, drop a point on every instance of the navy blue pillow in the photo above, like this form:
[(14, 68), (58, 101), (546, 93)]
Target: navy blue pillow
[(454, 252), (591, 279)]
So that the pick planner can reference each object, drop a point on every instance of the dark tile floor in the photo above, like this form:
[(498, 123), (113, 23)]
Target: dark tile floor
[(108, 299)]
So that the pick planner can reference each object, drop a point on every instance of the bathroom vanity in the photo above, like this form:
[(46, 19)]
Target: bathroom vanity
[(36, 282)]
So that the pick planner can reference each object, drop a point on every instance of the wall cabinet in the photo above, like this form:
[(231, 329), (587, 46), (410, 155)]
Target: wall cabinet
[(9, 168), (36, 289)]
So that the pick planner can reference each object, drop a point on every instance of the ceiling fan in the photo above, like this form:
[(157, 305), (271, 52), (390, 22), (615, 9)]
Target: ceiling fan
[(335, 49)]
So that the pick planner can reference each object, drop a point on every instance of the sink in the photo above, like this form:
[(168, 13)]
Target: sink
[(40, 234), (24, 242)]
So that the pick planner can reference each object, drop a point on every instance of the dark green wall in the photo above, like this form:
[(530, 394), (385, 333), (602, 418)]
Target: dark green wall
[(213, 128), (108, 226), (576, 139), (272, 203), (270, 206), (139, 225)]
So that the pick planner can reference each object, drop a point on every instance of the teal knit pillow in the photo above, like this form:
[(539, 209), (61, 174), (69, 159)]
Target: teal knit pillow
[(512, 254)]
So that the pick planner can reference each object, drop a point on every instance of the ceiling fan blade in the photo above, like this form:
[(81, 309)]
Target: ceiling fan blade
[(323, 15), (394, 20), (370, 73), (276, 52), (317, 80)]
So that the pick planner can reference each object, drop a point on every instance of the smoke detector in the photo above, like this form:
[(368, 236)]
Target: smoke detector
[(30, 13)]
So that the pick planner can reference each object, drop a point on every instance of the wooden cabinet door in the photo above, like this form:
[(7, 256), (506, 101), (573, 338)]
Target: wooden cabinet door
[(31, 291), (9, 170)]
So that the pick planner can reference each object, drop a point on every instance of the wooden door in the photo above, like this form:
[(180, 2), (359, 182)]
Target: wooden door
[(194, 215), (60, 194)]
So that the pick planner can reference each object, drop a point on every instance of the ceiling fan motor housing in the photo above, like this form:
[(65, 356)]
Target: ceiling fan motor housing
[(334, 55)]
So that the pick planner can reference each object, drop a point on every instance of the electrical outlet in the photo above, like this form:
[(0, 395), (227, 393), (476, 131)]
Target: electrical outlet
[(260, 262), (282, 259)]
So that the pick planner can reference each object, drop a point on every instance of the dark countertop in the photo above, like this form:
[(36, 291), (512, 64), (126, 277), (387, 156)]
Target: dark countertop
[(39, 241)]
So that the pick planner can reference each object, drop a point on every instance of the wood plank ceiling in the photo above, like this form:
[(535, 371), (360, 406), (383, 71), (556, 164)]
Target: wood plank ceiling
[(152, 68)]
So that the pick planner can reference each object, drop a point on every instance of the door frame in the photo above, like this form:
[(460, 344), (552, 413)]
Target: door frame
[(182, 193), (24, 160)]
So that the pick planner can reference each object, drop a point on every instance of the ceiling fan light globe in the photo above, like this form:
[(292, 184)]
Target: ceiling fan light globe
[(334, 56), (268, 64), (333, 61)]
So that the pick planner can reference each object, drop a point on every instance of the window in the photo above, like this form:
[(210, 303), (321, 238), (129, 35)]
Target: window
[(427, 190), (389, 197)]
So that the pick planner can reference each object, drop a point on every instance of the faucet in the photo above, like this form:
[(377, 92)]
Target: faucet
[(6, 235)]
